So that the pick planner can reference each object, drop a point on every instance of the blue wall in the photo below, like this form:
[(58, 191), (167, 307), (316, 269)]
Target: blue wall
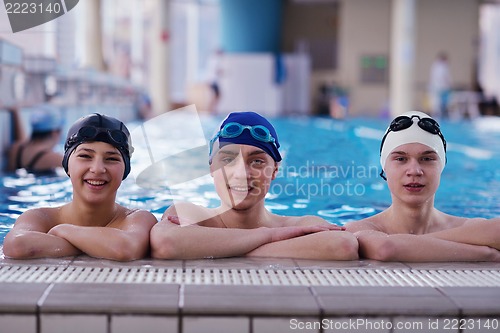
[(251, 25)]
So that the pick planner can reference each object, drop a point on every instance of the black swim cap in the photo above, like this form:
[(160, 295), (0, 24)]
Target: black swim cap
[(99, 127)]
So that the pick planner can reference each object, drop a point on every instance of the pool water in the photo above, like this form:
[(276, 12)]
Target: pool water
[(330, 168)]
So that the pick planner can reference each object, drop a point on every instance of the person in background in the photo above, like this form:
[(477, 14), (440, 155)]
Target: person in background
[(413, 156), (244, 159), (97, 158), (37, 153), (440, 85), (214, 74)]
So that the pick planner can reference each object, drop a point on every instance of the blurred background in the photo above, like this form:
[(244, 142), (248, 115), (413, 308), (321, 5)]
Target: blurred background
[(338, 58), (276, 56)]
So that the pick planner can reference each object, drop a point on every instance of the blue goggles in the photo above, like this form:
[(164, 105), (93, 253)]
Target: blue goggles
[(234, 129)]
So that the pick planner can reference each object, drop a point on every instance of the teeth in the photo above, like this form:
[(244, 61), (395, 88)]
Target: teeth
[(239, 188), (96, 182)]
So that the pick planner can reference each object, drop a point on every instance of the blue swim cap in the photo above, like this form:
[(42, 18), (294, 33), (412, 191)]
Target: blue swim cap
[(255, 131), (102, 128), (45, 119)]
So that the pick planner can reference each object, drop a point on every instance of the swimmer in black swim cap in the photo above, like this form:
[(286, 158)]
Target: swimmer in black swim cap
[(97, 159), (98, 127)]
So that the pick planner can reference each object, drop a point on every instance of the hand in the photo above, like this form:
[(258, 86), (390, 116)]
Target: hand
[(494, 255), (283, 233), (59, 230), (185, 222)]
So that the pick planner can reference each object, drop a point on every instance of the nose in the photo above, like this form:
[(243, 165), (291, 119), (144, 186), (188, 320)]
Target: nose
[(97, 166), (414, 168), (239, 169)]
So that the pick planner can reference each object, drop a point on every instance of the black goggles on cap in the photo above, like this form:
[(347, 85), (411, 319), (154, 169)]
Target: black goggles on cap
[(403, 122), (89, 133)]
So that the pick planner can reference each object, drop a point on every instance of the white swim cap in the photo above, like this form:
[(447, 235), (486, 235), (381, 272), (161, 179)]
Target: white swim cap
[(412, 134)]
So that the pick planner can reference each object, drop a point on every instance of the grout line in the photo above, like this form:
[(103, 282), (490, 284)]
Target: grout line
[(180, 316), (44, 296), (39, 304)]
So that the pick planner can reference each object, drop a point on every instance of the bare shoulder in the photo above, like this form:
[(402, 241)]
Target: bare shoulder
[(189, 213), (139, 214), (39, 219), (369, 223), (447, 221), (304, 220)]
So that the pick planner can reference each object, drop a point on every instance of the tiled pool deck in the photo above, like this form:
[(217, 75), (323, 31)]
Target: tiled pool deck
[(250, 295)]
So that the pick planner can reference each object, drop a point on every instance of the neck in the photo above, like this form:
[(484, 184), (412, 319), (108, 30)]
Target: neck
[(403, 218), (253, 217), (85, 214)]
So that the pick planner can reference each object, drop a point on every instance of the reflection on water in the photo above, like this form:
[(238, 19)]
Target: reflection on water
[(330, 168)]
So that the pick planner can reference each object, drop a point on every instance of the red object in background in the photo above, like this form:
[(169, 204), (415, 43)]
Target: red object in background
[(164, 36)]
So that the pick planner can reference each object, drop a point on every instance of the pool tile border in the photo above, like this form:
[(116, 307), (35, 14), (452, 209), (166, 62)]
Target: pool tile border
[(184, 308)]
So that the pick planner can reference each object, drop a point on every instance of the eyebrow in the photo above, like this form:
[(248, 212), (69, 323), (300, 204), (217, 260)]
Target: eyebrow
[(235, 153), (89, 150), (427, 152)]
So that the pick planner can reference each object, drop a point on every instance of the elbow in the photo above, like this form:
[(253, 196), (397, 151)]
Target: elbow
[(348, 247), (15, 248), (340, 245), (162, 246), (128, 251), (381, 250)]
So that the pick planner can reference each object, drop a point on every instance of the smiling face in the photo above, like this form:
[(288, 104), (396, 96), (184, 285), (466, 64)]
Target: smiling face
[(413, 173), (242, 175), (96, 170)]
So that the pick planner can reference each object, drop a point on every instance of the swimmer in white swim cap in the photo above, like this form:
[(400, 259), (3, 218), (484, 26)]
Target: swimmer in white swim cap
[(413, 155), (413, 127)]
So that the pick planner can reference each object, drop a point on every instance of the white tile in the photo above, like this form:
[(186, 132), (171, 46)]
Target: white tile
[(215, 324), (285, 325), (422, 325), (18, 323), (357, 324), (149, 324), (55, 323)]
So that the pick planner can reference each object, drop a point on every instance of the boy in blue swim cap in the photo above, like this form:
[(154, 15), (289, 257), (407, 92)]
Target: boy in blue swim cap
[(97, 158), (413, 156), (244, 158)]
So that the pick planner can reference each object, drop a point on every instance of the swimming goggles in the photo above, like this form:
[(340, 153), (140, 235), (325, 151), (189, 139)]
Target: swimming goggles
[(234, 129), (403, 122), (88, 133)]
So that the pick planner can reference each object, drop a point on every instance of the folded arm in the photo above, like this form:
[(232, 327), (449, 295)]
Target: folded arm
[(327, 245), (172, 241), (129, 241), (419, 248), (28, 239), (474, 232)]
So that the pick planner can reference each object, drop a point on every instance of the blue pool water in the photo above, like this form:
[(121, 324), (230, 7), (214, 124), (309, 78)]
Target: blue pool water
[(330, 168)]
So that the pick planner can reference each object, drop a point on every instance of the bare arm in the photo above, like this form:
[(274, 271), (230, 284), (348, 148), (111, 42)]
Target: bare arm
[(328, 245), (28, 238), (473, 232), (128, 241), (17, 124), (419, 248), (172, 241)]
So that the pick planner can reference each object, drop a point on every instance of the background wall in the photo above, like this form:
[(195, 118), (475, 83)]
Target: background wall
[(359, 28)]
